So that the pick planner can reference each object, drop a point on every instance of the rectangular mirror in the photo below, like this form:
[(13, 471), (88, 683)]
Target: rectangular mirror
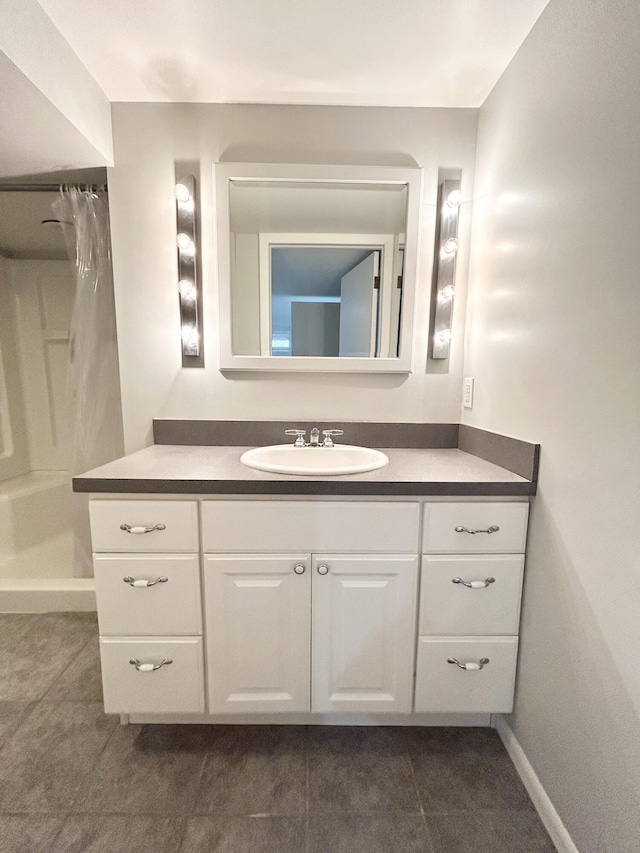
[(317, 266)]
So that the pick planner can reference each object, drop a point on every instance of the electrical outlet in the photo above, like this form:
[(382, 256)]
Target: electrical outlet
[(467, 393)]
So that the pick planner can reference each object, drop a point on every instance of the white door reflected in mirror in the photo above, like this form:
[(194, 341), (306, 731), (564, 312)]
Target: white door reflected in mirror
[(317, 267)]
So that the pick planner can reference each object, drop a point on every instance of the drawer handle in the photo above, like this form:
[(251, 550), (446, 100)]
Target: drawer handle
[(149, 667), (322, 569), (474, 584), (143, 583), (493, 529), (299, 569), (137, 530), (470, 667)]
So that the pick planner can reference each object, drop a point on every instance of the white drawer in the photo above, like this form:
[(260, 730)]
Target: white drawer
[(174, 688), (170, 605), (170, 525), (443, 687), (490, 607), (447, 528), (309, 526)]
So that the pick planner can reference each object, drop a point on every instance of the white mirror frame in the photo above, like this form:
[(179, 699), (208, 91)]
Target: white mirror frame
[(411, 177)]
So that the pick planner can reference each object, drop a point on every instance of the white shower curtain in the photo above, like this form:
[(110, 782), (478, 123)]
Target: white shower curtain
[(95, 413)]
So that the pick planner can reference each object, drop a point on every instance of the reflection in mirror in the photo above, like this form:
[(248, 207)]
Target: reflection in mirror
[(333, 290), (317, 266), (307, 299)]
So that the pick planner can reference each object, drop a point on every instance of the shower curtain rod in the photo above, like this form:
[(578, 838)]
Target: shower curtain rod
[(49, 188)]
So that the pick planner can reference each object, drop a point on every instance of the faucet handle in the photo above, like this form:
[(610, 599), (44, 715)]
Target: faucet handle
[(299, 442), (328, 441)]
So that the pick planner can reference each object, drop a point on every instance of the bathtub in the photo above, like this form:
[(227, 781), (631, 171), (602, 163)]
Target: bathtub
[(37, 546)]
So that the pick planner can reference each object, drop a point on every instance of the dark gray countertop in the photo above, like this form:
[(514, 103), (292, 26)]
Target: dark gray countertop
[(184, 469)]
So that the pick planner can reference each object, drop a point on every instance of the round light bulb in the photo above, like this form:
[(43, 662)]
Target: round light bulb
[(189, 334), (187, 289), (182, 192), (454, 198), (445, 336), (448, 292), (184, 242), (451, 246)]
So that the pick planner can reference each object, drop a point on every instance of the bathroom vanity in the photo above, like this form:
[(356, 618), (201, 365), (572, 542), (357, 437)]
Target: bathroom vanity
[(226, 594)]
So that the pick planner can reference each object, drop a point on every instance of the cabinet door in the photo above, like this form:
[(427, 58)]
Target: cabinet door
[(364, 613), (257, 612)]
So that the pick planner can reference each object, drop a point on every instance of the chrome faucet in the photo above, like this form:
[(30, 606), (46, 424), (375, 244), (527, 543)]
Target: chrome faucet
[(314, 437)]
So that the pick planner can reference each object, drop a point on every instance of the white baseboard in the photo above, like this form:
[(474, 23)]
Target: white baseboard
[(539, 797)]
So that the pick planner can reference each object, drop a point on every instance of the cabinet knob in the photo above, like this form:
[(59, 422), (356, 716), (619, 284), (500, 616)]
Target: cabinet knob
[(299, 569), (322, 569)]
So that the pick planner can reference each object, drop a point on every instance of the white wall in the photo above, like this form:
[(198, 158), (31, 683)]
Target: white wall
[(553, 343), (148, 140)]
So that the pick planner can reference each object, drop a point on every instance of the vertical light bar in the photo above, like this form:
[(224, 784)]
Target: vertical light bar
[(444, 268), (188, 294)]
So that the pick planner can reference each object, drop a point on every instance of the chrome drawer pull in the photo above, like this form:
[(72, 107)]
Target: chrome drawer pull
[(474, 584), (493, 529), (137, 530), (469, 667), (149, 667), (143, 583)]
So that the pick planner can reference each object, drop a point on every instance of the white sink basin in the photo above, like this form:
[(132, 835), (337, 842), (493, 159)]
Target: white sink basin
[(321, 461)]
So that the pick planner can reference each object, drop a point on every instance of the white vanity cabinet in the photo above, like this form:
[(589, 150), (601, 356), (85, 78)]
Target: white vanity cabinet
[(147, 571), (470, 606), (326, 626), (219, 608)]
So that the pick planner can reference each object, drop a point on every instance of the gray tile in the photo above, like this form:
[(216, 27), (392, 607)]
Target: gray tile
[(386, 833), (489, 832), (11, 715), (81, 681), (451, 739), (147, 770), (464, 769), (244, 835), (28, 834), (359, 769), (255, 770), (42, 647), (120, 834), (15, 625), (46, 761)]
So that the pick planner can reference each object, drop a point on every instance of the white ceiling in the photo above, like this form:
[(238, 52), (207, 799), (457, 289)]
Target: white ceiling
[(422, 53)]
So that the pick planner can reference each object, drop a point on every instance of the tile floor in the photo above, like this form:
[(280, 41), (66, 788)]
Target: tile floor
[(72, 780)]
